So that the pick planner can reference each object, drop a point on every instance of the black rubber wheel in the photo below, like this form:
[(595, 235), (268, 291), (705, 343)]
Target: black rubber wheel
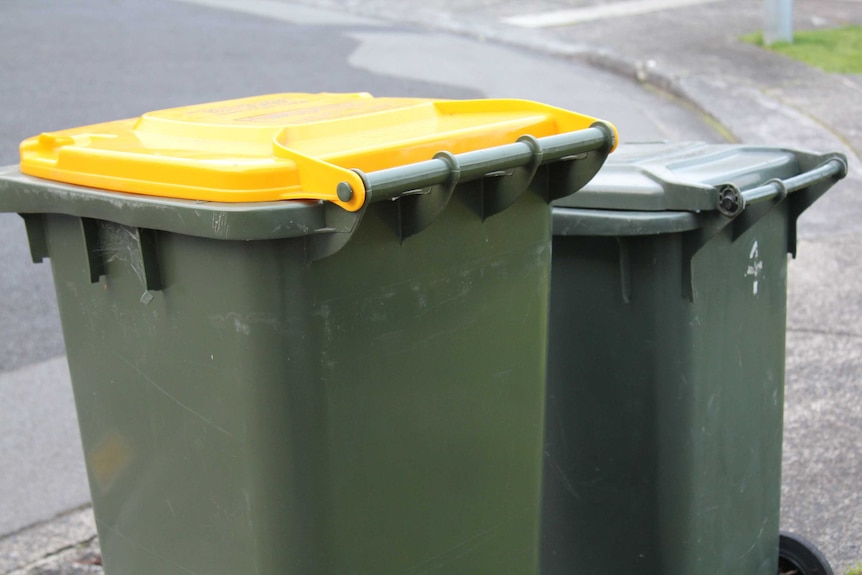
[(799, 556)]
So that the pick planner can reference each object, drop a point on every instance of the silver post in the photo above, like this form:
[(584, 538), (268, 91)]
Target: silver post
[(778, 22)]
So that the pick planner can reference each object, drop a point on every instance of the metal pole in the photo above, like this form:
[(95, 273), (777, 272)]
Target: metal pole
[(778, 22)]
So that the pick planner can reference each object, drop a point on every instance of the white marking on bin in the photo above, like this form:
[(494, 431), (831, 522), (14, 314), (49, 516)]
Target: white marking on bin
[(755, 267)]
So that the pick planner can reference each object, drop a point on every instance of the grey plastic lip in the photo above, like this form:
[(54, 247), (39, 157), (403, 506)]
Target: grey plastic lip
[(223, 221), (590, 222)]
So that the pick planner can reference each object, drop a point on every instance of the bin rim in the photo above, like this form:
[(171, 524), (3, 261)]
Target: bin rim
[(291, 146), (23, 194), (653, 194), (592, 222), (511, 169)]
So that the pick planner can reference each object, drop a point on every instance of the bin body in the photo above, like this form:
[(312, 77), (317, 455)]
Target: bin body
[(666, 368), (256, 397), (352, 415)]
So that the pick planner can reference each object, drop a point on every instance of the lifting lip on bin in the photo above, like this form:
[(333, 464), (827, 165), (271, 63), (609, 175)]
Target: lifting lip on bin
[(654, 188)]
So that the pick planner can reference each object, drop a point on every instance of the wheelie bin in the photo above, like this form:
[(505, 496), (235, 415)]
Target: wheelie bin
[(666, 359), (307, 333)]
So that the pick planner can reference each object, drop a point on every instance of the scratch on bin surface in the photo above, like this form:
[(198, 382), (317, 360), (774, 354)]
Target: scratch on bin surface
[(164, 392)]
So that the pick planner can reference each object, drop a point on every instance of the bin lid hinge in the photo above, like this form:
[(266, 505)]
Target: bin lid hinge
[(338, 228), (416, 210), (576, 170), (500, 189)]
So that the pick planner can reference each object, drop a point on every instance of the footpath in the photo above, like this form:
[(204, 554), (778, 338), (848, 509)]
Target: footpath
[(692, 53)]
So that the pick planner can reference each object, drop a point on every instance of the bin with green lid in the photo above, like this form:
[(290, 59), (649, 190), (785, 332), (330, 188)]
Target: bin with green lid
[(666, 359), (307, 333)]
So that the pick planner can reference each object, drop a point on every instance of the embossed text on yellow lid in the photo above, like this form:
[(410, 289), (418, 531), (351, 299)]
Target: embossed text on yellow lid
[(281, 146)]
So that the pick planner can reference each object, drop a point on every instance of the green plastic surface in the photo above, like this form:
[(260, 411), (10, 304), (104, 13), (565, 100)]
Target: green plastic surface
[(377, 411), (666, 372)]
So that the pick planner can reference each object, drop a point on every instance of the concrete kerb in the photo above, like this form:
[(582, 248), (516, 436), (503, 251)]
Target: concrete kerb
[(69, 540), (641, 71), (687, 90)]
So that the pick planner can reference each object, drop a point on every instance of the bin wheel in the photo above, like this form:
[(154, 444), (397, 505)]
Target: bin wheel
[(799, 556)]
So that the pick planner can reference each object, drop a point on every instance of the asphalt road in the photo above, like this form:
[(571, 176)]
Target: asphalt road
[(70, 64)]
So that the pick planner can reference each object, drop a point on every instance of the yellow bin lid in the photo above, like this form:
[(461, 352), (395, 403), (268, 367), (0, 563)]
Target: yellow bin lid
[(281, 146)]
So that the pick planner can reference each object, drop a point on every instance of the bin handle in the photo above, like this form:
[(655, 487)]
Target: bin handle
[(731, 202), (392, 183)]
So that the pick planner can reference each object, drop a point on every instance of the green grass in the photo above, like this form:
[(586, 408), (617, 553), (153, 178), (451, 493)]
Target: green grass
[(856, 570), (833, 50)]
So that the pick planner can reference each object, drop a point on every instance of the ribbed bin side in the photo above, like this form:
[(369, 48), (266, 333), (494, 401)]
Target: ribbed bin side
[(664, 413), (378, 410)]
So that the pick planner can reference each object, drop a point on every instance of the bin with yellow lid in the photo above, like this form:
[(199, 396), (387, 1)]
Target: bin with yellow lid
[(307, 332)]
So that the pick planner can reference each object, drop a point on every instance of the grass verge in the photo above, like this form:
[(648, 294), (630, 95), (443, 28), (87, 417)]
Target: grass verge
[(833, 50)]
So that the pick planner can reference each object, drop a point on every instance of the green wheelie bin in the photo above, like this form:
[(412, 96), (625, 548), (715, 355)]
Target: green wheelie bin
[(307, 333), (666, 359)]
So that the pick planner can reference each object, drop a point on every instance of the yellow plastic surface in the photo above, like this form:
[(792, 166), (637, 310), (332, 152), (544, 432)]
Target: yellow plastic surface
[(281, 146)]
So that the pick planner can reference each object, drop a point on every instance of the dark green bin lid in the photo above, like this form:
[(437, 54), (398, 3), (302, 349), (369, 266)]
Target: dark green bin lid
[(663, 187)]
